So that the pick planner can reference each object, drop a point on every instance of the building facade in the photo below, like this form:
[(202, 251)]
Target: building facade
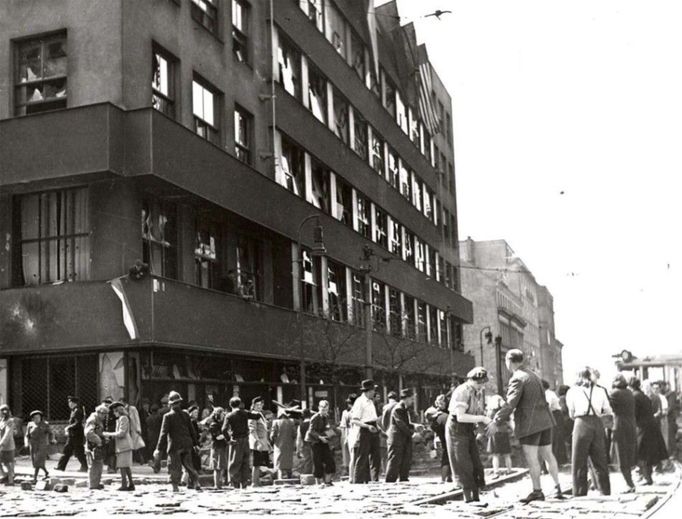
[(511, 310), (227, 197)]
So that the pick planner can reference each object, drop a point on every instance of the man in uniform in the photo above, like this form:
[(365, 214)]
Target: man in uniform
[(399, 440), (75, 439), (467, 410), (533, 422)]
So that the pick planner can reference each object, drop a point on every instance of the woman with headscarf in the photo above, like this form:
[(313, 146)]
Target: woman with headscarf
[(38, 437), (123, 445), (586, 404), (650, 445), (624, 428), (7, 445)]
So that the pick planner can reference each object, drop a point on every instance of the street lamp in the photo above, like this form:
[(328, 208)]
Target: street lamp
[(488, 338), (318, 249)]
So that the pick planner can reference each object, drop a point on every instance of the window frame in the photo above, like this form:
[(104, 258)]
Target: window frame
[(208, 18), (212, 131), (240, 35), (243, 150), (168, 100)]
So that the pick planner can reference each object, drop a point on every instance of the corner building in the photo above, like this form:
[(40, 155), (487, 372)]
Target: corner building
[(207, 138)]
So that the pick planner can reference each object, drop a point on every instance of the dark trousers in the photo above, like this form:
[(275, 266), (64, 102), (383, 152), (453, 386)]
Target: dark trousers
[(323, 460), (589, 441), (238, 464), (465, 460), (72, 448), (375, 455), (399, 460), (361, 450), (176, 461)]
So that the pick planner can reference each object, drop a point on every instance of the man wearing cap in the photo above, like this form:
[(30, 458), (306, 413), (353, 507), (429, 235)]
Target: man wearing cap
[(179, 438), (75, 439), (399, 440), (467, 410), (533, 422), (363, 424), (236, 428)]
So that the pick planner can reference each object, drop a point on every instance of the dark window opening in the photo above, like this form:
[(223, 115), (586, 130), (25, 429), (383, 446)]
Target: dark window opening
[(159, 237)]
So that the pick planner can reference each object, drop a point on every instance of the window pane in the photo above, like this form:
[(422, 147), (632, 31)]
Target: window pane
[(317, 94), (335, 28), (208, 107), (320, 186), (160, 78), (341, 117), (30, 61), (55, 59), (289, 67), (197, 99)]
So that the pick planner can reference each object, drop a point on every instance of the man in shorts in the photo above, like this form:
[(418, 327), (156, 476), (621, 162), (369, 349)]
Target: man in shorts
[(533, 422)]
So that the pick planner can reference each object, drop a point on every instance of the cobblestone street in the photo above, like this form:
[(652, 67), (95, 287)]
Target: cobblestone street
[(342, 500)]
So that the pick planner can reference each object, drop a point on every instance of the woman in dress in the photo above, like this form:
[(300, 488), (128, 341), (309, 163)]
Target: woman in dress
[(38, 437), (283, 438), (624, 428), (124, 445), (650, 445)]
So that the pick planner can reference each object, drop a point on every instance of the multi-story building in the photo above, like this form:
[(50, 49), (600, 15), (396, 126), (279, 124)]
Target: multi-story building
[(210, 143), (511, 310)]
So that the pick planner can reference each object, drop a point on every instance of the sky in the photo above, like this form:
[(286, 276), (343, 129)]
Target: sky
[(582, 97)]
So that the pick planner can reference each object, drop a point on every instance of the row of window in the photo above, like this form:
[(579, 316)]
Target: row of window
[(53, 244), (207, 14), (329, 20), (310, 179), (296, 71)]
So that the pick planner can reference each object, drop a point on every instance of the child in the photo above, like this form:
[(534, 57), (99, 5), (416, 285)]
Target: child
[(499, 444), (38, 436)]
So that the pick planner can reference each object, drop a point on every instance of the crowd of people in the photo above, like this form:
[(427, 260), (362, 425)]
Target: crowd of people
[(633, 425)]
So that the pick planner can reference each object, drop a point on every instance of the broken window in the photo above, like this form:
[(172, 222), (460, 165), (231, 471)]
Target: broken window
[(291, 171), (341, 108), (408, 316), (289, 60), (428, 203), (206, 273), (336, 290), (344, 202), (405, 181), (393, 168), (401, 114), (364, 222), (205, 12), (421, 321), (419, 255), (414, 126), (380, 227), (427, 144), (53, 237), (243, 122), (440, 270), (360, 138), (432, 262), (394, 312), (320, 193), (416, 192), (378, 306), (249, 267), (443, 329), (240, 30), (358, 299), (396, 245), (315, 14), (309, 273), (335, 28), (317, 93), (433, 324), (41, 75), (389, 95), (358, 55), (408, 247), (159, 237), (377, 151), (205, 109), (163, 80)]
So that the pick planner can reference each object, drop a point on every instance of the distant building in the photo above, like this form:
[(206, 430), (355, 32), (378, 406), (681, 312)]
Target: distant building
[(511, 310)]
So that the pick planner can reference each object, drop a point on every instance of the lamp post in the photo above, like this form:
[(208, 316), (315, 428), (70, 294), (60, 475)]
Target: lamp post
[(498, 357), (318, 249), (488, 338)]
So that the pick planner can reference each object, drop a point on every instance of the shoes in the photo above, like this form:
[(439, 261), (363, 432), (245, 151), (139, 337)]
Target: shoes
[(197, 488), (131, 487), (558, 494), (477, 504), (630, 490), (176, 488), (125, 489), (535, 495)]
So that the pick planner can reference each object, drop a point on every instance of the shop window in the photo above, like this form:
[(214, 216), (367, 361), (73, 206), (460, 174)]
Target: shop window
[(53, 234), (317, 93), (159, 237), (405, 181), (378, 307), (344, 202), (433, 324), (421, 321), (320, 194), (380, 227), (364, 226), (416, 192), (393, 168), (396, 245), (243, 131), (205, 108), (41, 75), (377, 151), (395, 313), (205, 12), (358, 56), (358, 299), (336, 290), (289, 59), (291, 171), (360, 138), (335, 28), (163, 82), (341, 108), (240, 30), (410, 321)]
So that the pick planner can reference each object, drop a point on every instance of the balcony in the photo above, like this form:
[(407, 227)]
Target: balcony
[(88, 316)]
